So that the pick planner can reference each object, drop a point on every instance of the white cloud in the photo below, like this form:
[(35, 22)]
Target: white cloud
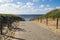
[(29, 5), (44, 9), (35, 0), (45, 0), (9, 8), (48, 5), (6, 0), (58, 7), (16, 8), (20, 3), (28, 8), (41, 0), (41, 6)]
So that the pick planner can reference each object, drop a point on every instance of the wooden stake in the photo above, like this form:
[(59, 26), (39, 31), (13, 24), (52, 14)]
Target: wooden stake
[(57, 23)]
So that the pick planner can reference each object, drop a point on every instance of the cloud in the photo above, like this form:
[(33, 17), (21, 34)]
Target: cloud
[(21, 8), (35, 0), (9, 8), (40, 0), (16, 8), (43, 9), (41, 6), (6, 0), (47, 5), (29, 5), (45, 0), (20, 3), (58, 7)]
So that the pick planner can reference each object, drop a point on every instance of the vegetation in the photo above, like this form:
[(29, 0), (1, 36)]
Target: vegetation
[(7, 20), (54, 14)]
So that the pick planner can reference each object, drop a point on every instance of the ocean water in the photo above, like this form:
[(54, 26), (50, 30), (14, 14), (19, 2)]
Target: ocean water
[(28, 17)]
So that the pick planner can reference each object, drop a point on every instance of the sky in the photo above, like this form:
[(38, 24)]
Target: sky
[(28, 6)]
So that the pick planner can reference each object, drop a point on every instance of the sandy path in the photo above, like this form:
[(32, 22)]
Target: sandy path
[(30, 31)]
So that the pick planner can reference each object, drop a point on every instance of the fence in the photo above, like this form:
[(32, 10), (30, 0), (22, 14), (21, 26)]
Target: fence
[(50, 22)]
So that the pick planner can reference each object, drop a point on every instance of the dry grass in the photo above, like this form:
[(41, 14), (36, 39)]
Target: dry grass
[(6, 31)]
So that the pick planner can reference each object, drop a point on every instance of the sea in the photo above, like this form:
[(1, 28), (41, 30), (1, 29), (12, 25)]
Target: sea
[(27, 17)]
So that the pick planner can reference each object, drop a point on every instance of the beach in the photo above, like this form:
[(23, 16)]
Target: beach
[(51, 25), (29, 30)]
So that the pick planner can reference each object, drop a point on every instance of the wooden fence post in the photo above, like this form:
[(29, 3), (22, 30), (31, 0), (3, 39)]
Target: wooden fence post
[(1, 27), (57, 23), (46, 20), (38, 19)]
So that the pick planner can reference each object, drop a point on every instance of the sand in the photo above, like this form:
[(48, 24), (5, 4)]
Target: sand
[(51, 25)]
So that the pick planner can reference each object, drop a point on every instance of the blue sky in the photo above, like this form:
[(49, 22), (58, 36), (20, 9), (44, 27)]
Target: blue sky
[(28, 6)]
